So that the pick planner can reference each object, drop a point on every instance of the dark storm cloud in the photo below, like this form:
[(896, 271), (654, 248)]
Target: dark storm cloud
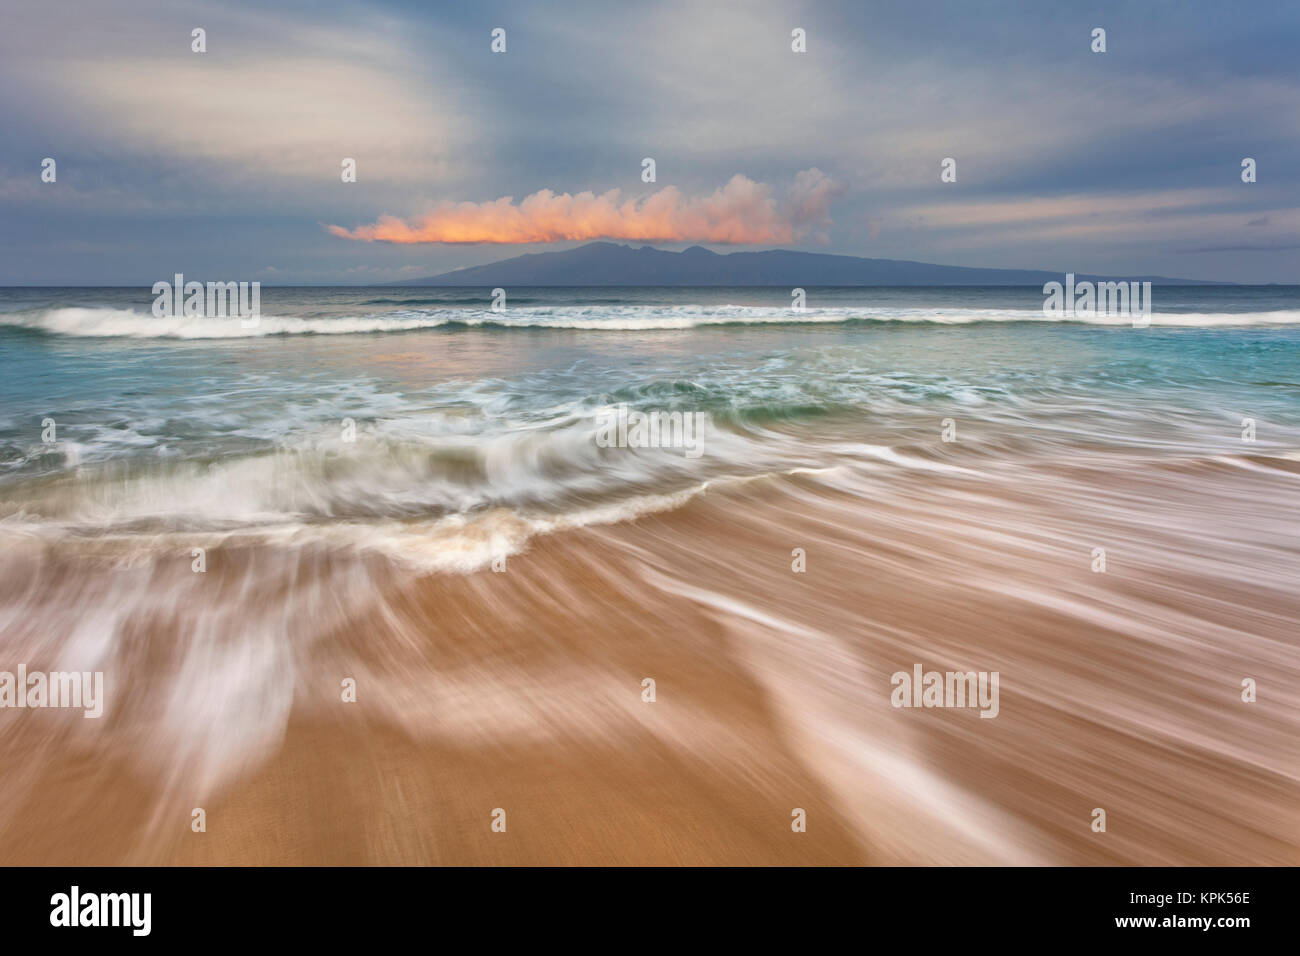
[(227, 163)]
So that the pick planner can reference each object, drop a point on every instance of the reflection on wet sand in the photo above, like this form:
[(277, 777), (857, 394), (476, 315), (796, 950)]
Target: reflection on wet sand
[(522, 689)]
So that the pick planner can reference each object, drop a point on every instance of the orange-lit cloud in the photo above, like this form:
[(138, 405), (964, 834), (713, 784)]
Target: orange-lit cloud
[(743, 213)]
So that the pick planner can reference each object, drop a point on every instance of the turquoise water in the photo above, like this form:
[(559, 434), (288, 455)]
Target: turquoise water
[(201, 425)]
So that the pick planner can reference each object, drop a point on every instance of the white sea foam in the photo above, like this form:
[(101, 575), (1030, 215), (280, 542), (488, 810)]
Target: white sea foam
[(124, 323)]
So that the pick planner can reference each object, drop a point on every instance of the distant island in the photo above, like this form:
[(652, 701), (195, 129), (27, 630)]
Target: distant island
[(611, 264)]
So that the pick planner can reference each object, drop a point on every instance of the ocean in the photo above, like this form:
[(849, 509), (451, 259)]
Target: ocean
[(355, 472), (175, 425)]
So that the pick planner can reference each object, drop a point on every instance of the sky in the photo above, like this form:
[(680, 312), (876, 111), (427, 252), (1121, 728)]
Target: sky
[(226, 165)]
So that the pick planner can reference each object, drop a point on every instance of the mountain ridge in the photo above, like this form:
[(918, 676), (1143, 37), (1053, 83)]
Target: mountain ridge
[(615, 264)]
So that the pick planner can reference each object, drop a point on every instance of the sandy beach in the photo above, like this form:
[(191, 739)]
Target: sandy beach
[(522, 690)]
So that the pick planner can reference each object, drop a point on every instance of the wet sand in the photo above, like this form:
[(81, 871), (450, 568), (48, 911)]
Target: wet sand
[(522, 690)]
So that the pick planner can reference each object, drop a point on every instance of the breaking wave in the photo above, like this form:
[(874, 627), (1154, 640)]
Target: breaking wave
[(90, 322)]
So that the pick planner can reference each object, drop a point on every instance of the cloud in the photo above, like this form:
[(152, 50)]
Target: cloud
[(1249, 247), (741, 213), (277, 102)]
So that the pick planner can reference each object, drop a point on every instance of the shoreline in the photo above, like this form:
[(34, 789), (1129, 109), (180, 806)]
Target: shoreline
[(522, 690)]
